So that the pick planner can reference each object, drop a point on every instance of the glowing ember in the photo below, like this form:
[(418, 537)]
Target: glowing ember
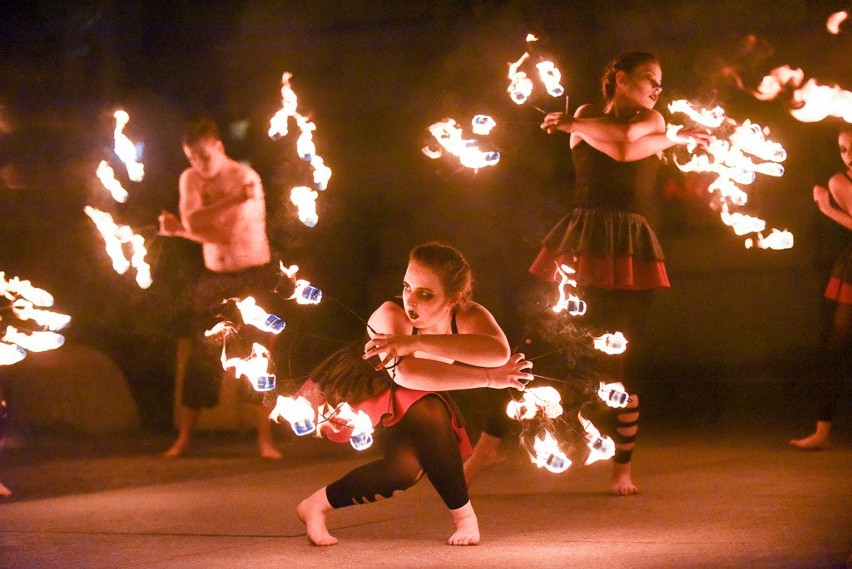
[(834, 21), (569, 302), (613, 394), (777, 240), (254, 367), (547, 454), (303, 291), (125, 149), (296, 411), (115, 238), (107, 177), (611, 344), (600, 447), (448, 134), (546, 400), (256, 316)]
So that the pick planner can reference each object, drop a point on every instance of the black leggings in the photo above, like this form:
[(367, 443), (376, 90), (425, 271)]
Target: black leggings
[(422, 441)]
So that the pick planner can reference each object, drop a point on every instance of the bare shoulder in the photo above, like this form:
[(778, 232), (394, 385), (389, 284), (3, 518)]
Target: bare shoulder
[(472, 315), (588, 111), (841, 188), (389, 318)]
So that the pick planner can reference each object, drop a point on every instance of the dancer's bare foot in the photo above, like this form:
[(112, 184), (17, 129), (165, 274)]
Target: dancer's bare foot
[(467, 526), (311, 512), (484, 456), (622, 483), (268, 451), (178, 449), (4, 492), (818, 440)]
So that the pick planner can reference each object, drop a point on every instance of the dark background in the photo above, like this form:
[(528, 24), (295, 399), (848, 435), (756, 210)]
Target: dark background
[(373, 76)]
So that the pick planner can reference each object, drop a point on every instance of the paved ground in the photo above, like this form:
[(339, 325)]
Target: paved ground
[(716, 492)]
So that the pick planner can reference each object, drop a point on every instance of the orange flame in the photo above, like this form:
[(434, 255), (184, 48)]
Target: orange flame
[(451, 138), (107, 177), (568, 301), (546, 400), (254, 367), (611, 343), (600, 447), (256, 316), (37, 341), (15, 287), (834, 21), (115, 237), (547, 454), (11, 353), (301, 196), (296, 411), (125, 149)]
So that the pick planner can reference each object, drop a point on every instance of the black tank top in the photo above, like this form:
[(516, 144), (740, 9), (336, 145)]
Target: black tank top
[(605, 183)]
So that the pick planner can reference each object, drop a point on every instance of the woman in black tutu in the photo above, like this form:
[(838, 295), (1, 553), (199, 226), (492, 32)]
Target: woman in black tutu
[(433, 339), (616, 150), (836, 203)]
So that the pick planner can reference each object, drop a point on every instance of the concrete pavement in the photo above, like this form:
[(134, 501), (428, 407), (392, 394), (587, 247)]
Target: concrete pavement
[(721, 500)]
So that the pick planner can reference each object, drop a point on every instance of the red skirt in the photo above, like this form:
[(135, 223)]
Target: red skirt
[(839, 287), (386, 409), (607, 249)]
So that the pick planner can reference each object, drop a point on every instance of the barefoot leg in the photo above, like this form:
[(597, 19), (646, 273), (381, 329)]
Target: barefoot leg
[(818, 440), (467, 526), (484, 457), (312, 512), (186, 424), (265, 445), (625, 437)]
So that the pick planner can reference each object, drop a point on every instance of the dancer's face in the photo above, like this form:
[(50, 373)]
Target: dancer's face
[(426, 303), (643, 85), (206, 156), (844, 142)]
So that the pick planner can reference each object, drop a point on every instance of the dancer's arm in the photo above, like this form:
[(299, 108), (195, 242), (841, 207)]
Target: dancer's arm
[(480, 340)]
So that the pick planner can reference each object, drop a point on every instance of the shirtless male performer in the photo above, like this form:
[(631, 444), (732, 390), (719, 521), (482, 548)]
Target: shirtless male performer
[(222, 207)]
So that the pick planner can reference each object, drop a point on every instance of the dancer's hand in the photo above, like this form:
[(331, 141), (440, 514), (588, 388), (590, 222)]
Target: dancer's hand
[(511, 374), (169, 223), (822, 199), (556, 121), (391, 346)]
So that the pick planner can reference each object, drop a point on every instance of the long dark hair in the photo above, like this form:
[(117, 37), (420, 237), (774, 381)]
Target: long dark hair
[(627, 62)]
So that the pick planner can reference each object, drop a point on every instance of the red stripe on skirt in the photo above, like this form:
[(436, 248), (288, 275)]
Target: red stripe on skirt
[(838, 291), (623, 272)]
